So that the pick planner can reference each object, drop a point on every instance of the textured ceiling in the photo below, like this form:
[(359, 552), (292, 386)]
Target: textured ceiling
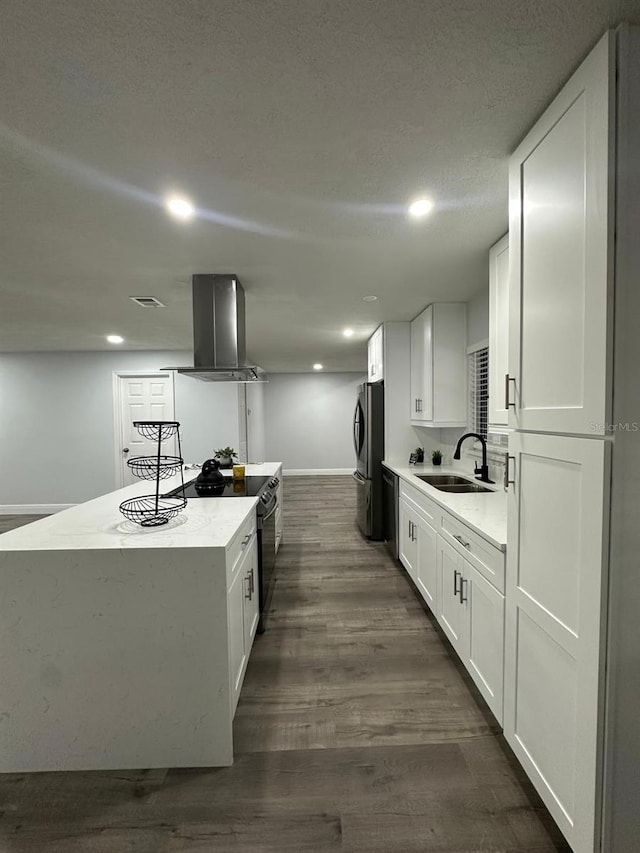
[(300, 128)]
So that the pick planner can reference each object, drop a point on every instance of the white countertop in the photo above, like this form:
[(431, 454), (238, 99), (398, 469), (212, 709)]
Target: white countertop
[(99, 525), (483, 512)]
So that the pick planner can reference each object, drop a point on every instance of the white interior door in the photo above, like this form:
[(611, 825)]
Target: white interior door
[(560, 233), (140, 397), (553, 621)]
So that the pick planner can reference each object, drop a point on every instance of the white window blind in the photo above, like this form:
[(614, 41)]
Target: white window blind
[(478, 362)]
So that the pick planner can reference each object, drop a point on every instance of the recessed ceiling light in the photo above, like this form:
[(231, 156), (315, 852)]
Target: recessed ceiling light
[(317, 366), (347, 333), (180, 207), (115, 339), (369, 298), (420, 208)]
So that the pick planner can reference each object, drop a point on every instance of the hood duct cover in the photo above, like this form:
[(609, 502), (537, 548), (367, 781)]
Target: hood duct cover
[(219, 353)]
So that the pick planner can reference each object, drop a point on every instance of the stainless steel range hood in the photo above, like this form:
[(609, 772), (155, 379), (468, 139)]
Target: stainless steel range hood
[(219, 353)]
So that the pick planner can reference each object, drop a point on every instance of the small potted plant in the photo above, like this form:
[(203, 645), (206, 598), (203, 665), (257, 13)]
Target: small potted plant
[(225, 456), (436, 457)]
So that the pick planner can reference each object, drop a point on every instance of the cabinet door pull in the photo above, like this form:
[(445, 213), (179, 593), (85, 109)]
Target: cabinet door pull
[(461, 541), (248, 592), (463, 597), (456, 575), (507, 481), (507, 402), (410, 536), (246, 539)]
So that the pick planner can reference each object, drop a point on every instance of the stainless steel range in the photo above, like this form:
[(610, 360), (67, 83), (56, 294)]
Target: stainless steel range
[(266, 489)]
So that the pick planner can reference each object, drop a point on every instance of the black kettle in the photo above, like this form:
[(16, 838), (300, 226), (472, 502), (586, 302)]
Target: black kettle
[(211, 479)]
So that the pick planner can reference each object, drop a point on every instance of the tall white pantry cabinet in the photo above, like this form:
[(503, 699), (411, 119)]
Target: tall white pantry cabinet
[(572, 617)]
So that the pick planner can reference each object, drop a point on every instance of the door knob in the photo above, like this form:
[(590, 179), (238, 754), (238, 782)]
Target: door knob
[(125, 449)]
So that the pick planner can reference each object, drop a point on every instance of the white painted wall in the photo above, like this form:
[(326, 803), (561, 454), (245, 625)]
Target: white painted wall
[(56, 421), (478, 317), (309, 420), (256, 435)]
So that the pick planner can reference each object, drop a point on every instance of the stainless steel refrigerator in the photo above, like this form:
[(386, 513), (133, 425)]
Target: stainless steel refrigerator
[(368, 441)]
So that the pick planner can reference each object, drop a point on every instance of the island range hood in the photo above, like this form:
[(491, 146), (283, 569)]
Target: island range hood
[(219, 353)]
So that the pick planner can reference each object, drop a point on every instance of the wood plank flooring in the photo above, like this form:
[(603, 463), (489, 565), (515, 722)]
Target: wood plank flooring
[(357, 730), (10, 522)]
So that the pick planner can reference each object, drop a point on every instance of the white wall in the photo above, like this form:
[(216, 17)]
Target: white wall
[(478, 317), (256, 436), (56, 421), (309, 420)]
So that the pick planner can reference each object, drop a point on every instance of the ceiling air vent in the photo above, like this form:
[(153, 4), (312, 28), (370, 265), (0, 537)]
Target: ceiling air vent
[(147, 301)]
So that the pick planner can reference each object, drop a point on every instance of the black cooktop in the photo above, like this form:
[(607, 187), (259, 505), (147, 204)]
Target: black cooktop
[(247, 488)]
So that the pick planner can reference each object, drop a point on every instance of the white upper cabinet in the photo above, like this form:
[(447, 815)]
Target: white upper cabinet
[(498, 332), (439, 366), (560, 225), (375, 352)]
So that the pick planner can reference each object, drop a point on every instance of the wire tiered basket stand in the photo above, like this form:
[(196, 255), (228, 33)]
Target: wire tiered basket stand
[(157, 509)]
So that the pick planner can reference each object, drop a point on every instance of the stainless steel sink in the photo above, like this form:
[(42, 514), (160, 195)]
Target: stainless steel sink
[(452, 483), (468, 487)]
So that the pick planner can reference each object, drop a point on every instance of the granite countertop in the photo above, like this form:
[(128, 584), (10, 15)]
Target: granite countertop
[(99, 525), (484, 512)]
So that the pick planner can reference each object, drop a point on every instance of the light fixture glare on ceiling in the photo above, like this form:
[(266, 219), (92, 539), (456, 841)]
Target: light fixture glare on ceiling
[(420, 208), (369, 298), (348, 333), (180, 207), (317, 366), (115, 339)]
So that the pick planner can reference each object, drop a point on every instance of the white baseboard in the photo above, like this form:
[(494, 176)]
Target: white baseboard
[(32, 509), (303, 472)]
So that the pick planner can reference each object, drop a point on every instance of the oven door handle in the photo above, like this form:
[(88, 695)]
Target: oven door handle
[(270, 513)]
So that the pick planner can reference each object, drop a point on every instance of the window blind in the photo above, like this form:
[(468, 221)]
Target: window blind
[(478, 385)]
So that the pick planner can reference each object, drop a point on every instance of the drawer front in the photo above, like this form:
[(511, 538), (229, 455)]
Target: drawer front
[(239, 544), (489, 561), (424, 506)]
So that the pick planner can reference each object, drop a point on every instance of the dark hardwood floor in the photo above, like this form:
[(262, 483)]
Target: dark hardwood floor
[(356, 731), (10, 522)]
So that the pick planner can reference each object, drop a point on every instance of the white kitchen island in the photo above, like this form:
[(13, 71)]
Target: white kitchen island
[(123, 646)]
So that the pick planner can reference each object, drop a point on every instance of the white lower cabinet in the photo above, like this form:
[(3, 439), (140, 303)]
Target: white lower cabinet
[(452, 613), (407, 542), (486, 639), (461, 578), (427, 574), (471, 613), (417, 548), (242, 614)]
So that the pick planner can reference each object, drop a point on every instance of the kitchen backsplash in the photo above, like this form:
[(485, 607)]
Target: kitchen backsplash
[(445, 440)]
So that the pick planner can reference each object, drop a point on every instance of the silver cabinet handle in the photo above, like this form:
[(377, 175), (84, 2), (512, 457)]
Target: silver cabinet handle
[(415, 531), (410, 536), (507, 402), (248, 592), (419, 404), (461, 541), (456, 575), (507, 481), (246, 539), (463, 597)]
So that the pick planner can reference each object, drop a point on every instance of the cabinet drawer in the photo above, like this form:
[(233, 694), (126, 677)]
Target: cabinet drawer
[(238, 545), (423, 505), (489, 561)]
